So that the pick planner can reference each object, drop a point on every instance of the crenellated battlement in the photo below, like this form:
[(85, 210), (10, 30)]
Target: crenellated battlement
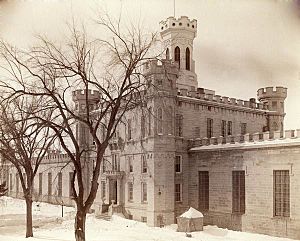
[(270, 92), (162, 66), (182, 22), (80, 95), (210, 96), (263, 137)]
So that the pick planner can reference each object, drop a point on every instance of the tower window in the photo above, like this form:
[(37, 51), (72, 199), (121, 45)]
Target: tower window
[(187, 59), (180, 24), (173, 24), (177, 55)]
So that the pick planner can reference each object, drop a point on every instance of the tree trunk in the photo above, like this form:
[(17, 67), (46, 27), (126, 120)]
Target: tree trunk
[(80, 225), (29, 232)]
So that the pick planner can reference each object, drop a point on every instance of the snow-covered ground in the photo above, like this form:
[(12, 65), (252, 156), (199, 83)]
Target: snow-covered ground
[(50, 226)]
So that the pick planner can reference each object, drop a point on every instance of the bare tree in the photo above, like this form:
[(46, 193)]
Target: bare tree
[(111, 67), (24, 141)]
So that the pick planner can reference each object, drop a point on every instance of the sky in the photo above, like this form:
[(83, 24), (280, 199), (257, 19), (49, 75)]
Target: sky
[(241, 45)]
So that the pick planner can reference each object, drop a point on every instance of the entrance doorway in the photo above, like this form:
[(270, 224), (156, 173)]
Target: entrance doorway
[(113, 191)]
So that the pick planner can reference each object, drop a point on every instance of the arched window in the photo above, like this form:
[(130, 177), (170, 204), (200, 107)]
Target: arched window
[(177, 55), (167, 54), (187, 59), (159, 121)]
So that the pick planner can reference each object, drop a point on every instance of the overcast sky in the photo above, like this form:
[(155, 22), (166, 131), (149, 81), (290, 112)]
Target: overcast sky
[(241, 45)]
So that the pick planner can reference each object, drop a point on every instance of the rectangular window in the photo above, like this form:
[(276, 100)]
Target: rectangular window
[(130, 191), (143, 128), (10, 182), (197, 132), (243, 128), (179, 125), (281, 193), (144, 219), (103, 189), (59, 177), (274, 104), (238, 192), (178, 164), (49, 183), (103, 165), (229, 128), (178, 190), (144, 164), (223, 128), (115, 162), (203, 190), (144, 192), (209, 128), (40, 183), (71, 194), (129, 137)]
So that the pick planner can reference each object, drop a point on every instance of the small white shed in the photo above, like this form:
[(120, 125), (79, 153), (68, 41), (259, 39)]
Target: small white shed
[(190, 221)]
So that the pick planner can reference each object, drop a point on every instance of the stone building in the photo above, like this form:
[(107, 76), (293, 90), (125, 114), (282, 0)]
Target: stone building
[(228, 158)]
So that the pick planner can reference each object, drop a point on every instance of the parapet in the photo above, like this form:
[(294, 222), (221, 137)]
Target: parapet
[(210, 95), (161, 66), (270, 92), (263, 137), (183, 22), (80, 95)]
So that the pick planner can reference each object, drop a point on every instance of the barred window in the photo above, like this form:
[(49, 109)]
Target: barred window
[(238, 192), (243, 128), (103, 189), (144, 192), (130, 191), (281, 193), (223, 128), (229, 128), (209, 128), (178, 160), (59, 184), (203, 190), (40, 183), (179, 125), (178, 191)]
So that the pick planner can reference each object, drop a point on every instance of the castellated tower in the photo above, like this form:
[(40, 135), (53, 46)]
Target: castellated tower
[(81, 99), (273, 99), (177, 36)]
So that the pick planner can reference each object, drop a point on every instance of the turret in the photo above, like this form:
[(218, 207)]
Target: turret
[(79, 97), (273, 99), (177, 36)]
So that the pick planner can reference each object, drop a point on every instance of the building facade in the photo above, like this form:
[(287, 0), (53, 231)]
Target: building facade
[(188, 146)]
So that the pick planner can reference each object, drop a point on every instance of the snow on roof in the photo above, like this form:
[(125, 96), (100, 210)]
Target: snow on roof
[(192, 213)]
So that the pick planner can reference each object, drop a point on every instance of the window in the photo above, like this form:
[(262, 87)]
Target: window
[(203, 190), (40, 183), (130, 191), (197, 132), (17, 183), (178, 190), (274, 104), (281, 193), (223, 128), (179, 125), (25, 179), (229, 128), (170, 120), (10, 182), (143, 130), (144, 164), (71, 194), (130, 164), (177, 55), (159, 121), (149, 121), (144, 192), (167, 54), (209, 128), (187, 59), (103, 189), (103, 165), (59, 184), (178, 164), (129, 137), (238, 191), (49, 183), (115, 162), (144, 219), (243, 128)]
